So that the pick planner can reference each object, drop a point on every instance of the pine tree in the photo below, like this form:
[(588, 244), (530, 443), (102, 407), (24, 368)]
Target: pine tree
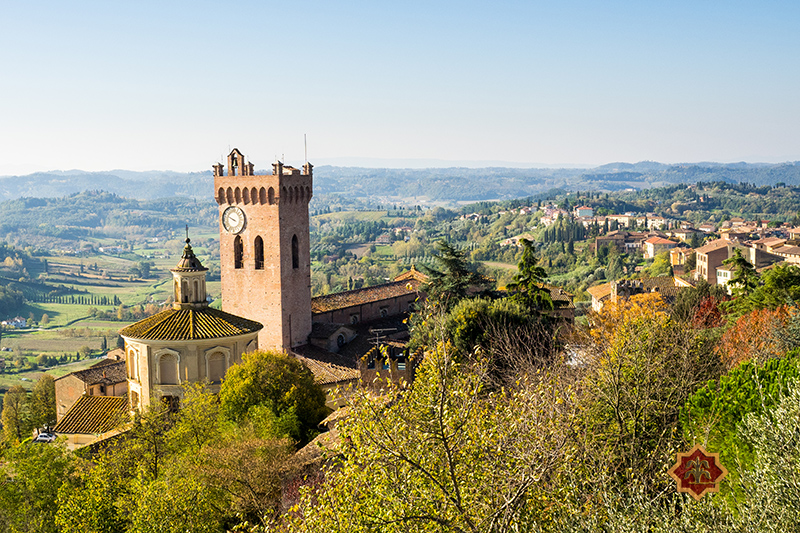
[(527, 285)]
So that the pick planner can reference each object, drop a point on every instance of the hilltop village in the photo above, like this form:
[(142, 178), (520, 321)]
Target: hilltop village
[(418, 368)]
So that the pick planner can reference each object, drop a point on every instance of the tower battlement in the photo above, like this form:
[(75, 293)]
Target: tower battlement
[(265, 261)]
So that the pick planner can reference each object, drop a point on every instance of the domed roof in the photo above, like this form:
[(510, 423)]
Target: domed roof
[(189, 262), (190, 324)]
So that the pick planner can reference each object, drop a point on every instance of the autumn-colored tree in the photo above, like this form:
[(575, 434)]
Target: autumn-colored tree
[(605, 325), (753, 336), (708, 313), (636, 376)]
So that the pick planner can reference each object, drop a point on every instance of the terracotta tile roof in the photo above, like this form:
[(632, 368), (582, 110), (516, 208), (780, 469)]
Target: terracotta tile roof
[(787, 250), (93, 414), (411, 274), (561, 299), (659, 240), (328, 368), (385, 291), (664, 285), (103, 372), (714, 245), (190, 324), (769, 241), (600, 291)]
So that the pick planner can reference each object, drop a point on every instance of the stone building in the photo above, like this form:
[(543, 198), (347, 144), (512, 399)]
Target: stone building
[(191, 342), (265, 261), (105, 378), (710, 257), (369, 303)]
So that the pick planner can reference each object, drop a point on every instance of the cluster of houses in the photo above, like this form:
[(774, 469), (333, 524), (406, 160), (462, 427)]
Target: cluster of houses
[(16, 322), (762, 246)]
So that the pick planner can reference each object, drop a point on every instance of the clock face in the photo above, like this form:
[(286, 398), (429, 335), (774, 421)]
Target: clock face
[(233, 220)]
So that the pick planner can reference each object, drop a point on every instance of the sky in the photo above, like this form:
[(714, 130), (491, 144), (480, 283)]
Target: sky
[(173, 85)]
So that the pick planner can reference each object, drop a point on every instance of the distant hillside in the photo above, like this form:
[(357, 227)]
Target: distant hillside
[(139, 185), (411, 185)]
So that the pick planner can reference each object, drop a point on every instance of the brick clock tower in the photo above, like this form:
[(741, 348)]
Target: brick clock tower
[(264, 248)]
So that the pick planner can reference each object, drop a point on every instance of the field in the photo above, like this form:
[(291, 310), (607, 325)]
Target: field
[(27, 379)]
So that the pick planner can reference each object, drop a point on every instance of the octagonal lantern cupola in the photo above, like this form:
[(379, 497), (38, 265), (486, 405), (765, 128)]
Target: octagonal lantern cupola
[(190, 280)]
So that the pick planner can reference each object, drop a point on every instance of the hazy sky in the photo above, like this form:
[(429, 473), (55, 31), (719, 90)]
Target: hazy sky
[(173, 85)]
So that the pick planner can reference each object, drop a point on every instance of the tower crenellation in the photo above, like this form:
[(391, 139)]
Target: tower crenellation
[(265, 260)]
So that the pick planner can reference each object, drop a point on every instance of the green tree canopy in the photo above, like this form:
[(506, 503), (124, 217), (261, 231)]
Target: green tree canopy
[(43, 402), (527, 286), (453, 280), (280, 383), (745, 277), (16, 415)]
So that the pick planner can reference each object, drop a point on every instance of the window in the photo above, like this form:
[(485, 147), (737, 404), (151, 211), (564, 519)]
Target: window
[(340, 340), (271, 196), (168, 369), (259, 253), (295, 252), (354, 319), (238, 252), (134, 400), (216, 367), (384, 312)]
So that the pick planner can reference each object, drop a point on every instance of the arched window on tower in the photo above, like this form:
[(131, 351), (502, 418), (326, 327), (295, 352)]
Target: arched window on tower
[(238, 252), (221, 195), (295, 252), (263, 195), (271, 196), (259, 253)]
